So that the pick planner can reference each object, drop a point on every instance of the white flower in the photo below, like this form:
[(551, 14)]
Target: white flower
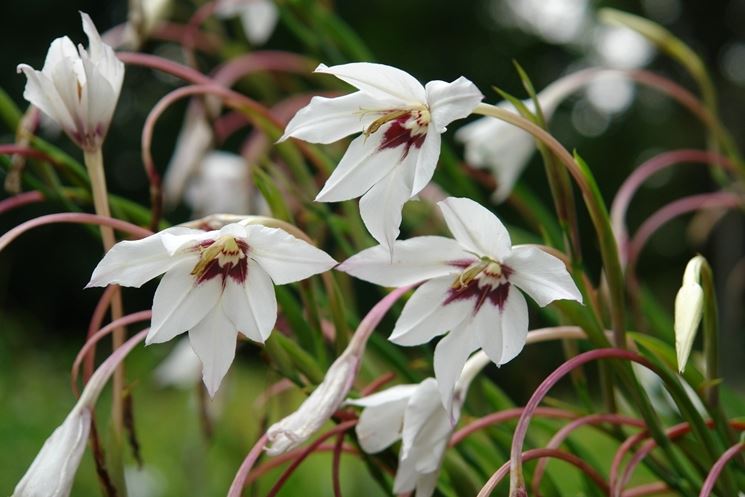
[(223, 185), (689, 306), (53, 471), (181, 368), (193, 142), (77, 88), (395, 156), (259, 17), (469, 289), (216, 284), (294, 429)]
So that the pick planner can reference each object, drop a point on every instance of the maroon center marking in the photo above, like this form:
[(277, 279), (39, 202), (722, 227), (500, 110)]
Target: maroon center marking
[(396, 135), (237, 271), (497, 296)]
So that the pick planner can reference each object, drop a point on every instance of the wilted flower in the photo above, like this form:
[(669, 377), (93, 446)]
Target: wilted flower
[(77, 88), (259, 17), (396, 154), (468, 289), (216, 284), (689, 306)]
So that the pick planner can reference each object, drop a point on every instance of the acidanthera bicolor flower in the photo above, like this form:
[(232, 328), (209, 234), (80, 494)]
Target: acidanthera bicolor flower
[(258, 17), (216, 284), (77, 88), (400, 122), (414, 414), (471, 288), (689, 307)]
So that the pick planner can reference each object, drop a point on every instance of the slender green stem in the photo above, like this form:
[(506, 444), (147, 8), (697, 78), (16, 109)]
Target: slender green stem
[(711, 338)]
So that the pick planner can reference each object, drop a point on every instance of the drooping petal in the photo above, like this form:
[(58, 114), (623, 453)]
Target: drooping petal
[(389, 395), (251, 307), (423, 413), (381, 206), (100, 102), (541, 275), (259, 19), (326, 120), (379, 81), (426, 483), (180, 304), (476, 228), (426, 161), (502, 331), (41, 92), (451, 354), (380, 426), (285, 258), (450, 101), (424, 317), (406, 476), (134, 262), (416, 259), (213, 341), (363, 165)]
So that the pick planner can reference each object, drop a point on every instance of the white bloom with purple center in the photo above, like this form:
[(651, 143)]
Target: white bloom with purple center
[(77, 88), (395, 156), (469, 288), (217, 284)]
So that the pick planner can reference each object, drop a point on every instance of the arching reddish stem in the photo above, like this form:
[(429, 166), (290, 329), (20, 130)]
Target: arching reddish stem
[(711, 478), (289, 456), (335, 465), (20, 200)]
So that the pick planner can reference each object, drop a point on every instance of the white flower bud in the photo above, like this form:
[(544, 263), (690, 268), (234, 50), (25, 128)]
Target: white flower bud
[(689, 305)]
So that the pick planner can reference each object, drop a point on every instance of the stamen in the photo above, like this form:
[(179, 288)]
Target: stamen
[(388, 117)]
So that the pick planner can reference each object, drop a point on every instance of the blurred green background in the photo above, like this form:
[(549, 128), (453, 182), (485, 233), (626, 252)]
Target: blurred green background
[(44, 311)]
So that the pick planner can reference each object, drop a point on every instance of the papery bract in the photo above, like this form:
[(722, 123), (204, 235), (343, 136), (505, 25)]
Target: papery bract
[(396, 154), (216, 284), (469, 289), (77, 88)]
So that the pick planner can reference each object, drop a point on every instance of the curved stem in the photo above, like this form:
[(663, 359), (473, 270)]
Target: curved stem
[(19, 200), (289, 456), (647, 489), (262, 60), (713, 476), (335, 464), (95, 324), (236, 488)]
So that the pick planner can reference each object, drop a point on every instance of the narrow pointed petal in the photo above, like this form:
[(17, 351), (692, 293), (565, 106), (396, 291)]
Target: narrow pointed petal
[(413, 260), (285, 258), (101, 101), (326, 120), (541, 275), (103, 56), (380, 208), (259, 20), (379, 81), (363, 165), (426, 161), (451, 101), (252, 307), (426, 484), (380, 426), (213, 341), (406, 476), (502, 331), (42, 93), (179, 304), (689, 306), (132, 263), (476, 228), (421, 413), (451, 354), (424, 317)]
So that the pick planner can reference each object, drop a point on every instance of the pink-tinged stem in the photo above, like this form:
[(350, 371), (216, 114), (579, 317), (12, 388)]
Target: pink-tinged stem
[(650, 167), (373, 318), (26, 152), (507, 415), (262, 60), (96, 337), (20, 200), (236, 488), (289, 456), (618, 457), (338, 429), (561, 435), (375, 385), (673, 210), (529, 455), (99, 313), (711, 478), (517, 482), (647, 489), (167, 66), (170, 31), (188, 41), (335, 465), (75, 218)]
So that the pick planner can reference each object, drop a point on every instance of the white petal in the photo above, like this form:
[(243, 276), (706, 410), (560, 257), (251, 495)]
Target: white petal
[(424, 317), (416, 259), (107, 63), (381, 206), (476, 228), (379, 80), (213, 341), (252, 307), (326, 120), (426, 483), (406, 476), (100, 101), (541, 275), (451, 101), (179, 304), (181, 367), (259, 19), (451, 354), (193, 142), (426, 161), (380, 426), (284, 257), (363, 165), (42, 93), (502, 331), (133, 262), (387, 396), (689, 306), (53, 470), (179, 237), (423, 412)]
